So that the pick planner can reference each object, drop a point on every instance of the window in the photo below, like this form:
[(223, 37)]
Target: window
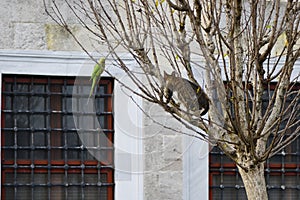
[(224, 179), (43, 153), (282, 171), (282, 178)]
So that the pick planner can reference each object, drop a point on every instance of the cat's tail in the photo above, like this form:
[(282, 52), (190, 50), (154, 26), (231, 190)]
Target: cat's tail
[(206, 108)]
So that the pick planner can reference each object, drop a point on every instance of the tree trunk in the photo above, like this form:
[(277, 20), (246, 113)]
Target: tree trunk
[(254, 182)]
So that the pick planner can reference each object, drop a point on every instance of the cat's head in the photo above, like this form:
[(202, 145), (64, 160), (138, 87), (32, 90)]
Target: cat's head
[(169, 77)]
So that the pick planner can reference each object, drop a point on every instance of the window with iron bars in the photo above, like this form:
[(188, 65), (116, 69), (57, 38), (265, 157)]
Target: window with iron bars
[(42, 155), (282, 171)]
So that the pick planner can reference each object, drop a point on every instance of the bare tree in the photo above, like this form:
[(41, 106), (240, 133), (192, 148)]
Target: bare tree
[(245, 48)]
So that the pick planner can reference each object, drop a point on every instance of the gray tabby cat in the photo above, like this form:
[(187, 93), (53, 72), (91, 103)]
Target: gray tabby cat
[(189, 94)]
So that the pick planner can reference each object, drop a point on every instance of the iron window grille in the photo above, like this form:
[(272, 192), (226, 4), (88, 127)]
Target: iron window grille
[(42, 154), (282, 171)]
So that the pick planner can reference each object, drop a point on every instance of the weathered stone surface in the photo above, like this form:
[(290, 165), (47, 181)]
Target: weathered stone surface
[(153, 144), (29, 36), (152, 191), (57, 38), (163, 185), (6, 33), (163, 155), (23, 11), (172, 146), (171, 185), (153, 162)]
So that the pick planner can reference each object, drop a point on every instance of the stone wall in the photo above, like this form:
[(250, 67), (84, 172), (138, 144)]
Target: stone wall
[(22, 25), (25, 25), (163, 155)]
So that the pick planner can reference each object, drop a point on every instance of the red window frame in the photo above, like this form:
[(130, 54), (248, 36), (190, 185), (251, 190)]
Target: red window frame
[(60, 165)]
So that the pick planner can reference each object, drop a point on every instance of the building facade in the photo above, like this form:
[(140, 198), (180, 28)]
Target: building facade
[(49, 150), (39, 61)]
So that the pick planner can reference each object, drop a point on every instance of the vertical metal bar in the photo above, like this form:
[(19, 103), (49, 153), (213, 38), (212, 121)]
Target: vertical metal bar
[(48, 125), (82, 185), (221, 174), (29, 98), (65, 163), (282, 186), (298, 168), (49, 184), (32, 164), (83, 151), (82, 160), (15, 136), (267, 172), (237, 184)]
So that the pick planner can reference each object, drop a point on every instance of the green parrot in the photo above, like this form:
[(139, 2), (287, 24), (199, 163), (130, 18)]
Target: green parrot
[(98, 70)]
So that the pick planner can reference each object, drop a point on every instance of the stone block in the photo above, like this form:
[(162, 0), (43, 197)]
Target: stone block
[(23, 11), (6, 33), (172, 147), (163, 185), (153, 162), (29, 36), (151, 181), (170, 185), (153, 144), (57, 38)]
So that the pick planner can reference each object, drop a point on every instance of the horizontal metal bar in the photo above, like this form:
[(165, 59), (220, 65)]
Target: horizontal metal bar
[(48, 94), (65, 130)]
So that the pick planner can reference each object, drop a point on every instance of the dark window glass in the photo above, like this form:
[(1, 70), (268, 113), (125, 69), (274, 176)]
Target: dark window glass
[(44, 155)]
